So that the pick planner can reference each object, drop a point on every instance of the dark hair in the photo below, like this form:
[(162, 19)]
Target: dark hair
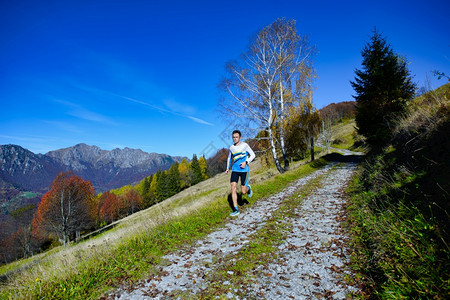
[(238, 132)]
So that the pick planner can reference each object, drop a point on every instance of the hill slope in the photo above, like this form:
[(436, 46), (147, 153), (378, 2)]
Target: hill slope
[(400, 205)]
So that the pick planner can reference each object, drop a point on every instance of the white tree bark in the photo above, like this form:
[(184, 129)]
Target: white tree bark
[(258, 84)]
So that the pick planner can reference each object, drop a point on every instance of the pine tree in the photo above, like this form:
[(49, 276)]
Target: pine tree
[(173, 180), (161, 186), (145, 193), (383, 88), (196, 172)]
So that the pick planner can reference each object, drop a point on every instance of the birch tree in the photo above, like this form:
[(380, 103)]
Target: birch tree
[(266, 81)]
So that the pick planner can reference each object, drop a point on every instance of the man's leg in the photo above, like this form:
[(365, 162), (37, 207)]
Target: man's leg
[(245, 187), (234, 193), (234, 197)]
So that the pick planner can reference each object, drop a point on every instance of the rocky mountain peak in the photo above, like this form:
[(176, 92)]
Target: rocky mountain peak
[(105, 169)]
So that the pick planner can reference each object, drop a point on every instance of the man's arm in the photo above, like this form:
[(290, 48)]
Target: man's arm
[(228, 161), (252, 154)]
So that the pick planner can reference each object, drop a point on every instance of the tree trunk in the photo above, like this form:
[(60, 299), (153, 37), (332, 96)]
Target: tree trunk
[(274, 151), (282, 132), (312, 148)]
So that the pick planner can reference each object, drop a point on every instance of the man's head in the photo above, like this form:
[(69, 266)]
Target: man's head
[(236, 136)]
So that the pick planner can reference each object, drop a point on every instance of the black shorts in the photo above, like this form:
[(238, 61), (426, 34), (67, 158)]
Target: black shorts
[(236, 175)]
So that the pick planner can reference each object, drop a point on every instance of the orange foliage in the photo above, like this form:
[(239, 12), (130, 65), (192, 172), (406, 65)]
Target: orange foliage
[(68, 207), (133, 201), (110, 207)]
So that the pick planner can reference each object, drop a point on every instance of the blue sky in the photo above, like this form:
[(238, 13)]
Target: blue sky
[(144, 74)]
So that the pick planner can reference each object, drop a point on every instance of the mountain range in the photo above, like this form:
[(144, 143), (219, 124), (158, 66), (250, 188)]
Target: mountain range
[(23, 170)]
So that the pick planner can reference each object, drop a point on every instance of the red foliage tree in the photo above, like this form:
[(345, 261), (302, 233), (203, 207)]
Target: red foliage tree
[(67, 208), (218, 163), (133, 201), (109, 207)]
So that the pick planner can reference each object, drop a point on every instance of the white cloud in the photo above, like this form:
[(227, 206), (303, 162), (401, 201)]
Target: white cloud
[(174, 103), (179, 107), (80, 112), (199, 120)]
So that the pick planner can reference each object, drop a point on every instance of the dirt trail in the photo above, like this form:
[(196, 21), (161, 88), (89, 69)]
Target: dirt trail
[(311, 262)]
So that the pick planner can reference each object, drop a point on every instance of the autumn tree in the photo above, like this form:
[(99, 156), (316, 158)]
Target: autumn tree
[(301, 125), (183, 169), (23, 217), (153, 188), (218, 162), (109, 210), (383, 87), (271, 77), (133, 202), (335, 112), (203, 167), (67, 208)]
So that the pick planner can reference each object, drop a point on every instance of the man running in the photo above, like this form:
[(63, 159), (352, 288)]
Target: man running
[(239, 156)]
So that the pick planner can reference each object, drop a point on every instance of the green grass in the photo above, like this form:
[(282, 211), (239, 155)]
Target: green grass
[(93, 270), (398, 212), (396, 246)]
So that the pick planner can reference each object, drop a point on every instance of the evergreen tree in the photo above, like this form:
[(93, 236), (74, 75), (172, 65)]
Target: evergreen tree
[(161, 186), (173, 180), (147, 201), (196, 172), (383, 88)]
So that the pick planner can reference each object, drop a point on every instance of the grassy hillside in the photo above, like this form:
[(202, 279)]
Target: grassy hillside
[(134, 247), (400, 206)]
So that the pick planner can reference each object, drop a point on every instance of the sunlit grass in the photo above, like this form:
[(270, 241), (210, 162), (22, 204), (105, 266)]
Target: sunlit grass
[(132, 249)]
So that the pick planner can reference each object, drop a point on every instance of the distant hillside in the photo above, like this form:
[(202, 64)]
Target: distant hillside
[(337, 111), (106, 170)]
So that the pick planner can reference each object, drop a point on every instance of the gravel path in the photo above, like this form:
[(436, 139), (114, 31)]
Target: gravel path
[(311, 263), (312, 260)]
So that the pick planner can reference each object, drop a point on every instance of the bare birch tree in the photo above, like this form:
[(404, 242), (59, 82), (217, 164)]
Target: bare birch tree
[(266, 81)]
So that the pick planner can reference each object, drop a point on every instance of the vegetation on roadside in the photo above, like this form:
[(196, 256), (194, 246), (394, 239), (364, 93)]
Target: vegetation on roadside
[(399, 207)]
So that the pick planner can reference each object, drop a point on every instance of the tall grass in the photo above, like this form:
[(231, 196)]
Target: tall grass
[(399, 208)]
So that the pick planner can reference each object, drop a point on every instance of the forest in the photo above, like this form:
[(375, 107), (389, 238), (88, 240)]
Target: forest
[(71, 209)]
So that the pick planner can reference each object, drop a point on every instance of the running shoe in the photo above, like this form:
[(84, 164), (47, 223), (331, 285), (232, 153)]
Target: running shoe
[(235, 213), (250, 192)]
